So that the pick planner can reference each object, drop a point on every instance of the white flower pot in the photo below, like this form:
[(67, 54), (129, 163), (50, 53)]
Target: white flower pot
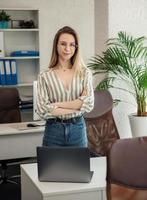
[(138, 125)]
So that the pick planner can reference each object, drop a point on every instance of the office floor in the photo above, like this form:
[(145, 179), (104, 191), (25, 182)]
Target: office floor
[(9, 191)]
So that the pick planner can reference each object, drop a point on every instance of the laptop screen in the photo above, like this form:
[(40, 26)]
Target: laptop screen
[(63, 164)]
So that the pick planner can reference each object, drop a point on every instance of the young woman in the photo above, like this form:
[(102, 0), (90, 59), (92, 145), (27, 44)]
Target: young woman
[(65, 93)]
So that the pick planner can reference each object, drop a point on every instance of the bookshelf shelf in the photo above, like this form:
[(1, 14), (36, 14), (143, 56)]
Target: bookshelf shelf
[(16, 38), (18, 85), (19, 30), (24, 85), (22, 58)]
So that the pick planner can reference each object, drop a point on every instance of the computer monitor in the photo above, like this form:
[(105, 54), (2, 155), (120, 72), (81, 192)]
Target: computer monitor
[(35, 115)]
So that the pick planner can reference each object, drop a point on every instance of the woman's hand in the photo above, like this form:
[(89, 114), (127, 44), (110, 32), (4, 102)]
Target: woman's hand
[(56, 104), (85, 92)]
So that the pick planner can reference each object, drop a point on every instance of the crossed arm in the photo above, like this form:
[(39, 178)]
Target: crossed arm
[(84, 103), (68, 107)]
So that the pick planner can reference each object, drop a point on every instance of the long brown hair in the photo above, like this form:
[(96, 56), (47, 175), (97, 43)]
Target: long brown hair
[(76, 59)]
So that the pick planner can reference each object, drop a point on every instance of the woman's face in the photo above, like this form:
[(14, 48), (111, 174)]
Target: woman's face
[(66, 46)]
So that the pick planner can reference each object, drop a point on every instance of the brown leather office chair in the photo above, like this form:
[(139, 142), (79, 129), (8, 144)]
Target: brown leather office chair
[(101, 128), (127, 170), (9, 113), (9, 105)]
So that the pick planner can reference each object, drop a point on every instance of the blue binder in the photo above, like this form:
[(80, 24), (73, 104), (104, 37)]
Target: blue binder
[(13, 72), (2, 73), (8, 72), (24, 53)]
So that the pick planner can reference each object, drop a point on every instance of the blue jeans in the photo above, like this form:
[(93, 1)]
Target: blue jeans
[(65, 134)]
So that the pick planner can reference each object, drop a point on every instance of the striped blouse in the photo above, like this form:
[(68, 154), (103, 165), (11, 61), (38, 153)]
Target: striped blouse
[(51, 89)]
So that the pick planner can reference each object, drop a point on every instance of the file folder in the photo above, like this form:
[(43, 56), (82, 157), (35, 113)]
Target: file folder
[(8, 72), (13, 72), (24, 53), (2, 73)]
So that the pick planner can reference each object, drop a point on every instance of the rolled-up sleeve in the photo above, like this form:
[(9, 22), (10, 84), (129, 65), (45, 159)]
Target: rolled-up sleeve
[(44, 107), (88, 100)]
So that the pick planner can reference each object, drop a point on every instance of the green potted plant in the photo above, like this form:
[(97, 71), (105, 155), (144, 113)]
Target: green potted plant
[(4, 18), (125, 61)]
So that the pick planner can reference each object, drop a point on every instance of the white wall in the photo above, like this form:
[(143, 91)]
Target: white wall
[(128, 15), (54, 14)]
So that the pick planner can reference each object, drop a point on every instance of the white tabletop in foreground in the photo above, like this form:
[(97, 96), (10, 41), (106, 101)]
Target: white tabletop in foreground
[(98, 182)]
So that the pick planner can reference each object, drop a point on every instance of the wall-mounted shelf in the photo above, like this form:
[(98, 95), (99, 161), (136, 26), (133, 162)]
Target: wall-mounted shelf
[(19, 30), (17, 38), (21, 58)]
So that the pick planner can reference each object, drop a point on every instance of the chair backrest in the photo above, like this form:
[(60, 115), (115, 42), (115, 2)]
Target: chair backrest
[(127, 170), (103, 103), (9, 105), (101, 128)]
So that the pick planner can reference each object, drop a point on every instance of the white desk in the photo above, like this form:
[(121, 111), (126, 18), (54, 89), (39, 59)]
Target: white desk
[(33, 189), (19, 141)]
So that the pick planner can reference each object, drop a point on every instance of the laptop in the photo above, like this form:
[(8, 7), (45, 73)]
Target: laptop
[(64, 164)]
